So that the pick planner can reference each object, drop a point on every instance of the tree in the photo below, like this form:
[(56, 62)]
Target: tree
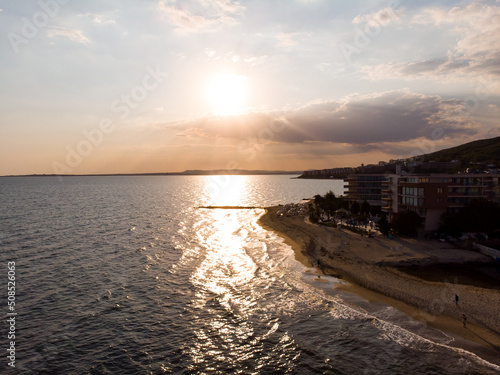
[(384, 225), (450, 225), (330, 196), (343, 203), (406, 223), (319, 204), (330, 203), (375, 210), (318, 200), (365, 208), (313, 215), (355, 208), (480, 215)]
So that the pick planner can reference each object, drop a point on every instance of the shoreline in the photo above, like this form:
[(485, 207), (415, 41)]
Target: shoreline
[(369, 266)]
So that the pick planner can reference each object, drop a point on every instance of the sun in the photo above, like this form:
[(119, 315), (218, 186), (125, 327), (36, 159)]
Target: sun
[(226, 93)]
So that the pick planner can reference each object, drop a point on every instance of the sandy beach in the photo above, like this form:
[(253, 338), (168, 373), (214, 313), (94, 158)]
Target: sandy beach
[(371, 267)]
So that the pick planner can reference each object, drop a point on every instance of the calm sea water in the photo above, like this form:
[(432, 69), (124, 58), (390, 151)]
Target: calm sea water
[(126, 275)]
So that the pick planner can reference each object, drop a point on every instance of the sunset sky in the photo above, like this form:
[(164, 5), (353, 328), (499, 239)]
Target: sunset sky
[(165, 86)]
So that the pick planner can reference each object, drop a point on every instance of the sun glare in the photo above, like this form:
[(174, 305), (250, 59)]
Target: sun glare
[(226, 93), (226, 190)]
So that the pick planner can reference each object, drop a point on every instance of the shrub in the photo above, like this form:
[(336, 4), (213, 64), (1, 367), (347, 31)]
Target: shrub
[(407, 223)]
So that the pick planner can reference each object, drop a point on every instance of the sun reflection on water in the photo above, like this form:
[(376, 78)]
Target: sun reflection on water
[(227, 190), (226, 265), (225, 296), (231, 280)]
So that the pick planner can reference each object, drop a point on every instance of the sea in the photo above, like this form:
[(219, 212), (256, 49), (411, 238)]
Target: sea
[(132, 275)]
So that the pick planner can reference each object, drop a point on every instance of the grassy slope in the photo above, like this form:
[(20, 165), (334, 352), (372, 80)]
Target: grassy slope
[(484, 151)]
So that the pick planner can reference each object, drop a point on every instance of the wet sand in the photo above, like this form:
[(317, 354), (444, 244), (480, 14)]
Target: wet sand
[(370, 267)]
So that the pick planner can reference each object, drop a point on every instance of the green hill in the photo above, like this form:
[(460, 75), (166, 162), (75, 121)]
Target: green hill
[(474, 156), (485, 151)]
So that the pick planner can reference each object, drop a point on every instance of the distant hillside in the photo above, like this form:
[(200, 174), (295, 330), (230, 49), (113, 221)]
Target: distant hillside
[(485, 151), (185, 173), (197, 172), (474, 156)]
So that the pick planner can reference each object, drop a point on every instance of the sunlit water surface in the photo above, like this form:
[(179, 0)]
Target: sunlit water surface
[(127, 275)]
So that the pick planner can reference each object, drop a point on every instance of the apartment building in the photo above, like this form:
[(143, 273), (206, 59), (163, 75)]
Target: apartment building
[(365, 187), (321, 173), (428, 195)]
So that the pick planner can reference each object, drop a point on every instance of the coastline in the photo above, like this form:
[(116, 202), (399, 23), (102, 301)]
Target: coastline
[(369, 265)]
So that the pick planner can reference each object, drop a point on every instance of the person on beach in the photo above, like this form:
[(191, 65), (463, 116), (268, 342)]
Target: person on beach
[(464, 320), (456, 299)]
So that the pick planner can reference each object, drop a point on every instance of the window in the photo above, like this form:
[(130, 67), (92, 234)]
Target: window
[(440, 190)]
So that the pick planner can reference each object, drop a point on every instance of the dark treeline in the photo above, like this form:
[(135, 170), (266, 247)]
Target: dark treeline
[(329, 204), (480, 215), (326, 204)]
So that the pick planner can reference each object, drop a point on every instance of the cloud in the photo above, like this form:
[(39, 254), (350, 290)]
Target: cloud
[(476, 53), (200, 15), (479, 26), (422, 66), (394, 116), (73, 35), (209, 52), (255, 60), (383, 17), (99, 19), (286, 40), (494, 132)]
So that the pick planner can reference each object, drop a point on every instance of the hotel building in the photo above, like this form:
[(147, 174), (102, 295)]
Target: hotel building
[(428, 195)]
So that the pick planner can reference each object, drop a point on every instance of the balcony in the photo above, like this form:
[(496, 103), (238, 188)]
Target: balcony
[(467, 183), (455, 205), (468, 195)]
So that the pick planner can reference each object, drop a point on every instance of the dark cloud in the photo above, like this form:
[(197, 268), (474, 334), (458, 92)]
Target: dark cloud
[(422, 66), (395, 116), (319, 149)]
